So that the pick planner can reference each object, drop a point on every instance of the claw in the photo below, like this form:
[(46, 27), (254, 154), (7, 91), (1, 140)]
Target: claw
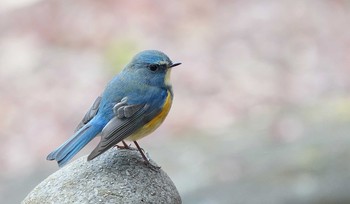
[(146, 158), (151, 166), (125, 146)]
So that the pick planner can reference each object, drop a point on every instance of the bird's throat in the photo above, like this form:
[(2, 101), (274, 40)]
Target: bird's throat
[(167, 78)]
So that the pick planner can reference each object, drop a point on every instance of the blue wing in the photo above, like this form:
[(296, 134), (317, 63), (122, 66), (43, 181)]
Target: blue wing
[(130, 114)]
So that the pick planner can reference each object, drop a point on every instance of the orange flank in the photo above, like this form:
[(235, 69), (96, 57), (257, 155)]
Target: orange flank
[(154, 123)]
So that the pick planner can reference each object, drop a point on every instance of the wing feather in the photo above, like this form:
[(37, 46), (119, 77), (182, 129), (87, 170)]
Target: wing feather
[(128, 119), (90, 114)]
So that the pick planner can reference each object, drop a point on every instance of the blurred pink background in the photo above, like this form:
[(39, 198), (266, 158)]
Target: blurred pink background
[(262, 100)]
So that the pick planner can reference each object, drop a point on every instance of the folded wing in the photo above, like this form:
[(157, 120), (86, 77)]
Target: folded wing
[(128, 119)]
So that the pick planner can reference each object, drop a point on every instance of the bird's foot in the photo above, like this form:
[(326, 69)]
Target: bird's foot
[(151, 166), (122, 147), (125, 146), (146, 159)]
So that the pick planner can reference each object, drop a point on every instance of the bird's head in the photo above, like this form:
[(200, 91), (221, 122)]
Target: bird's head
[(152, 67)]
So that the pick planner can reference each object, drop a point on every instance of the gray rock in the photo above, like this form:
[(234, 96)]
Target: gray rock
[(117, 176)]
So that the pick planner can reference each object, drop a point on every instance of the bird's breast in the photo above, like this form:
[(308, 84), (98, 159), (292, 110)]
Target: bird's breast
[(155, 122)]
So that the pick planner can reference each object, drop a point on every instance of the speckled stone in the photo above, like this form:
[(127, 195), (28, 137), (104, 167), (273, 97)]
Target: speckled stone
[(117, 176)]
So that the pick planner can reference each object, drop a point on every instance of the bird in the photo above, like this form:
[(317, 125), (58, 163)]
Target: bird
[(133, 104)]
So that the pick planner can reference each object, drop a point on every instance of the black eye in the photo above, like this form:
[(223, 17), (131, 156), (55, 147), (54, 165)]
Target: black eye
[(153, 67)]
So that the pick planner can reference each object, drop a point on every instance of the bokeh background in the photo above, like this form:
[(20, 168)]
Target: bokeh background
[(262, 100)]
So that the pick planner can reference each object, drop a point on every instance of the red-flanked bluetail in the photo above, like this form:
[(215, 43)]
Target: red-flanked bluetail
[(134, 103)]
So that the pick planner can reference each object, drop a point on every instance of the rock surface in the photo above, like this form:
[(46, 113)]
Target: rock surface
[(117, 176)]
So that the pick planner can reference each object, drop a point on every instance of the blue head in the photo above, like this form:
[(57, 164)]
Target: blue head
[(151, 67)]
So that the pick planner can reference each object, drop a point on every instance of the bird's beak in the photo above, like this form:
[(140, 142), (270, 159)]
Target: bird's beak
[(174, 65)]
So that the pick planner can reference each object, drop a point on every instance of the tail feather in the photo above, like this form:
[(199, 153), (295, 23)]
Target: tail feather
[(72, 146)]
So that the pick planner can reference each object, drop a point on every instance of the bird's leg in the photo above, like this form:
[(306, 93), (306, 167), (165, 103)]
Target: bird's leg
[(126, 146), (146, 160)]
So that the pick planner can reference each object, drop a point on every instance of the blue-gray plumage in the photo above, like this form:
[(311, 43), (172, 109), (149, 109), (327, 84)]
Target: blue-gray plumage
[(133, 104)]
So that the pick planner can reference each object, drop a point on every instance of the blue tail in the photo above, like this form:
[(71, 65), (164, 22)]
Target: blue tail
[(73, 145)]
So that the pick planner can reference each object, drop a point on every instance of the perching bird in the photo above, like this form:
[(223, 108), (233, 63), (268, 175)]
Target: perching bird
[(134, 103)]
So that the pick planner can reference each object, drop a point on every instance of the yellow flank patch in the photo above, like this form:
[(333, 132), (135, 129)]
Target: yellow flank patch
[(154, 123)]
